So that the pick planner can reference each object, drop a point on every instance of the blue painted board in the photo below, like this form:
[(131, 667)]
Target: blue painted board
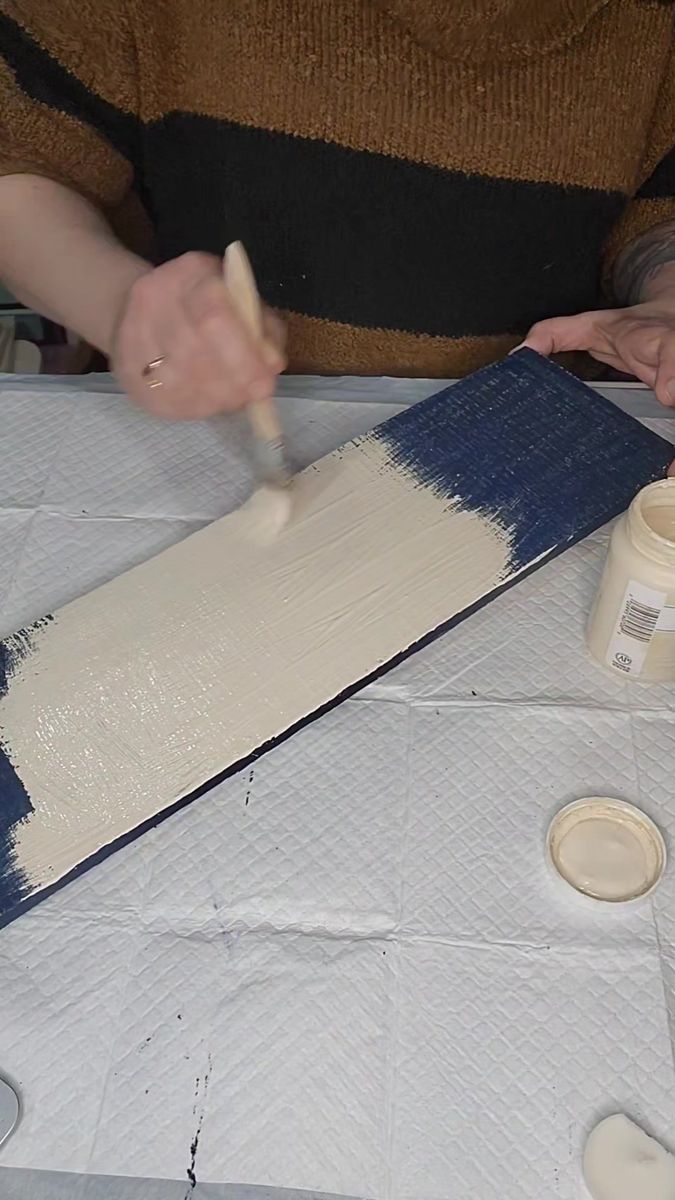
[(521, 444)]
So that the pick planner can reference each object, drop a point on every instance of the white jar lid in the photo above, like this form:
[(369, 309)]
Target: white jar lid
[(606, 849), (9, 1110)]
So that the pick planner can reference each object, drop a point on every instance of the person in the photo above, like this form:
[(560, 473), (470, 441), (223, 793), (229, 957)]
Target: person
[(421, 185)]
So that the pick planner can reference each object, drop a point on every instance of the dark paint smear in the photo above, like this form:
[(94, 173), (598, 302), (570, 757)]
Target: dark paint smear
[(14, 807), (194, 1144), (248, 790), (15, 803), (526, 444), (608, 495), (15, 649)]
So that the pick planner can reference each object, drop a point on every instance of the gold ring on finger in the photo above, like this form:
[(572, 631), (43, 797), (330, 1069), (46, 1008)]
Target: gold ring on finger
[(149, 372)]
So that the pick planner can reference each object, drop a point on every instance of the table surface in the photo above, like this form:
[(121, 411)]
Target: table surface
[(87, 489)]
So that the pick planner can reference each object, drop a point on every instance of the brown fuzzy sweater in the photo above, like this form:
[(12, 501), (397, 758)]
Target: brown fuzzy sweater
[(416, 181)]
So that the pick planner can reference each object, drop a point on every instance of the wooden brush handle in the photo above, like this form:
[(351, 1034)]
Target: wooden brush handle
[(240, 282)]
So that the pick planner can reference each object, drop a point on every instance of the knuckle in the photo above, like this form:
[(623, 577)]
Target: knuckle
[(214, 318), (194, 262), (206, 298), (542, 328)]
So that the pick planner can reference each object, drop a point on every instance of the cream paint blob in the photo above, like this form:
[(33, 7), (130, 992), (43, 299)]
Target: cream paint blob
[(146, 688), (606, 849), (622, 1163)]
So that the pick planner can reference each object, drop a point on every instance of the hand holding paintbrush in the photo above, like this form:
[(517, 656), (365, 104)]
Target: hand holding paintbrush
[(272, 500), (262, 414), (180, 348)]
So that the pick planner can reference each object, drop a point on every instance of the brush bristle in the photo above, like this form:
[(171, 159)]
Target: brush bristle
[(270, 511)]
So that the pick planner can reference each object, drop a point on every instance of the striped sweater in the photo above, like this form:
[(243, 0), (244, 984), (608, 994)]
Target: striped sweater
[(417, 181)]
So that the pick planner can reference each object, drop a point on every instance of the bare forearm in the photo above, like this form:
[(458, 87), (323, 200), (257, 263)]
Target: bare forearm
[(645, 270), (59, 256)]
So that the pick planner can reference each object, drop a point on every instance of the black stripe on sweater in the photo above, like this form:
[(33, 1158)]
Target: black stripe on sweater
[(351, 236), (375, 241)]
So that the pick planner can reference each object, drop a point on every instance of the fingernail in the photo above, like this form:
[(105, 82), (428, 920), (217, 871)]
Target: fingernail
[(520, 346), (670, 392)]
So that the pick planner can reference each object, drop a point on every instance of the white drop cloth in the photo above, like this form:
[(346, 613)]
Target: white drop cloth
[(347, 971)]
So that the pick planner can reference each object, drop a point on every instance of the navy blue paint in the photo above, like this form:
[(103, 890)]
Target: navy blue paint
[(15, 803), (14, 806), (16, 648), (529, 445), (523, 383)]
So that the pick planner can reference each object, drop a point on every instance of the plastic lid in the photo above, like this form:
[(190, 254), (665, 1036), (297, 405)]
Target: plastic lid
[(9, 1110), (606, 849)]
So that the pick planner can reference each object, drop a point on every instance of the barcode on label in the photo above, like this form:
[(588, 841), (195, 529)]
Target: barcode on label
[(639, 620)]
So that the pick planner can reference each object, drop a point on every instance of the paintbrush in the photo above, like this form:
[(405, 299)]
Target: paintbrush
[(263, 415)]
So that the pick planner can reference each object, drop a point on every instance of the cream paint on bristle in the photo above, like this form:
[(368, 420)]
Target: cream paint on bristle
[(270, 506), (269, 510), (140, 692)]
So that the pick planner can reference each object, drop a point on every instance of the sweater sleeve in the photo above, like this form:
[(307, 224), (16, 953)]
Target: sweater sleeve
[(654, 199), (68, 95)]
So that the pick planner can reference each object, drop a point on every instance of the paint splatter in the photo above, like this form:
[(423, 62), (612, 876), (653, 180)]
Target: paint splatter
[(248, 790), (200, 1104)]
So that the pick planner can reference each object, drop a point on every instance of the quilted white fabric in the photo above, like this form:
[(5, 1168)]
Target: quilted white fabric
[(345, 970)]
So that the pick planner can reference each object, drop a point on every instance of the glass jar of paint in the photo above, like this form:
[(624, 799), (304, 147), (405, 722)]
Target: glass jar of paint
[(632, 626)]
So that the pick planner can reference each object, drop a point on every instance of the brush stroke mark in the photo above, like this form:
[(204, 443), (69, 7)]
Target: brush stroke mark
[(547, 487), (15, 802), (194, 1144), (16, 648), (92, 860)]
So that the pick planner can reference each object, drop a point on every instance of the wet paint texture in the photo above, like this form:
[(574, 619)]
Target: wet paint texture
[(527, 444), (218, 649)]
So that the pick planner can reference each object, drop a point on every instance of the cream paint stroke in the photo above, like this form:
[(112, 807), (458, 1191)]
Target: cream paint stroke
[(146, 688)]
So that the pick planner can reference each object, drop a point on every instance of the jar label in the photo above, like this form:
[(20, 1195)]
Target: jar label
[(643, 614), (667, 619)]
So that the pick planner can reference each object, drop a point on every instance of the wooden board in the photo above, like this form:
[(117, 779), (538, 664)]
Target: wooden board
[(127, 704)]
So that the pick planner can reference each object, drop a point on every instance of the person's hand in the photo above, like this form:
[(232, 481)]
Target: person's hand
[(180, 350), (638, 341)]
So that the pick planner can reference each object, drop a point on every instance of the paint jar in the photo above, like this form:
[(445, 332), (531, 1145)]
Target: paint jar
[(632, 626)]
